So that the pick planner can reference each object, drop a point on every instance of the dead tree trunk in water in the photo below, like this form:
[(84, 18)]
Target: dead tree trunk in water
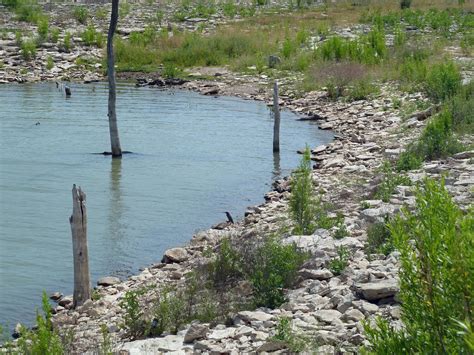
[(276, 114), (113, 128), (78, 221)]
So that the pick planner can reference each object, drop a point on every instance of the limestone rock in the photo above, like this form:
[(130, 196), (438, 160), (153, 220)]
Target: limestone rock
[(195, 331), (108, 281), (175, 255), (377, 290)]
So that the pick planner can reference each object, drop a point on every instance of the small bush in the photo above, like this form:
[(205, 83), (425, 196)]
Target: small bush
[(389, 182), (408, 160), (437, 139), (54, 35), (226, 267), (339, 263), (170, 71), (81, 14), (43, 340), (67, 42), (133, 319), (302, 202), (362, 90), (461, 108), (443, 81), (295, 342), (43, 28), (169, 313), (28, 49), (436, 277), (379, 239), (106, 344), (49, 63), (91, 37), (273, 268)]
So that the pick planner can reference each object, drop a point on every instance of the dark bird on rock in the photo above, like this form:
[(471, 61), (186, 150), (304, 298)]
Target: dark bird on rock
[(229, 217), (226, 224)]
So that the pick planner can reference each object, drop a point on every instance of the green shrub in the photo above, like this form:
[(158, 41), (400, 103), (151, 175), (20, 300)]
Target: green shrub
[(379, 238), (295, 342), (43, 340), (91, 37), (28, 49), (169, 313), (443, 81), (133, 319), (437, 139), (461, 108), (436, 277), (43, 28), (338, 264), (106, 344), (226, 267), (302, 203), (362, 90), (170, 71), (67, 42), (408, 160), (273, 267), (81, 14), (49, 63), (55, 35), (229, 8), (390, 180)]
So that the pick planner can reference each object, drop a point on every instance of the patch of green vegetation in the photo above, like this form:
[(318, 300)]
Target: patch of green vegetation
[(43, 29), (91, 37), (133, 320), (379, 238), (443, 81), (25, 10), (390, 180), (294, 341), (81, 14), (54, 35), (106, 343), (42, 340), (49, 63), (28, 49), (436, 278), (338, 264), (67, 41), (302, 202), (274, 268)]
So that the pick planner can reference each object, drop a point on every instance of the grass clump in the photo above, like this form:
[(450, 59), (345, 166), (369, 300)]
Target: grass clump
[(43, 29), (302, 203), (133, 318), (81, 14), (42, 340), (67, 42), (443, 81), (436, 277), (379, 238), (294, 341), (49, 63), (91, 37), (54, 35), (273, 268), (338, 264), (390, 180), (28, 49)]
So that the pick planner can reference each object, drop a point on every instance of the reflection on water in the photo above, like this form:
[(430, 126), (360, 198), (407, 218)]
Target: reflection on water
[(196, 157)]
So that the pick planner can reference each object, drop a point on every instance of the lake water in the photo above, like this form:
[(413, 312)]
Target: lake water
[(196, 156)]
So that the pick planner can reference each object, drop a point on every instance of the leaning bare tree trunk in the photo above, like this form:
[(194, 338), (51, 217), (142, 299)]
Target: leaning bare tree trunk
[(78, 221), (114, 134), (276, 114)]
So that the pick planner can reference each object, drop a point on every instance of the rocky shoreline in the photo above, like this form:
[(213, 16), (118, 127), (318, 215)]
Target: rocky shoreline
[(329, 308), (326, 307)]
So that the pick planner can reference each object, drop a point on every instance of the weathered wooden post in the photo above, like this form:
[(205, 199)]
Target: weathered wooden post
[(78, 221), (276, 114)]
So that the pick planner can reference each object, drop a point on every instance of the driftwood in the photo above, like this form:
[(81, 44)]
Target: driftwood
[(78, 221), (276, 114)]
